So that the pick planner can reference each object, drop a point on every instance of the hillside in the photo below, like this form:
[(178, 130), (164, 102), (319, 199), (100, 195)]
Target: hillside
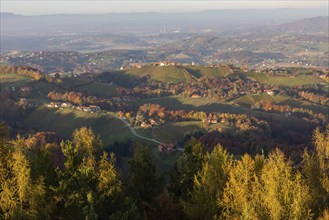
[(64, 121), (134, 76), (284, 81), (162, 73), (313, 24)]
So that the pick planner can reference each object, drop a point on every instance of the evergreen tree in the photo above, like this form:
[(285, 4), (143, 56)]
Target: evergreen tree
[(85, 185), (144, 181), (209, 184), (242, 195), (20, 197), (315, 172), (188, 164), (285, 195)]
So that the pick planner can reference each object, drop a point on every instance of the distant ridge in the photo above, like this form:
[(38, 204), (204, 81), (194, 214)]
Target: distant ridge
[(312, 24), (217, 20)]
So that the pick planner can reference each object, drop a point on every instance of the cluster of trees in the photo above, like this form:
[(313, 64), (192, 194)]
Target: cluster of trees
[(208, 87), (214, 185), (78, 179), (34, 73), (13, 110), (78, 98), (83, 183), (320, 99), (306, 114), (224, 88), (160, 113), (73, 97), (26, 71)]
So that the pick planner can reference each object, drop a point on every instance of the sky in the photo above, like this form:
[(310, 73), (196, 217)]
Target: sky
[(27, 7)]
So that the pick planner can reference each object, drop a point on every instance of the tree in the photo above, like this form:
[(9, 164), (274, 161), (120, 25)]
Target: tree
[(209, 184), (86, 142), (144, 181), (85, 185), (188, 164), (285, 195), (242, 196), (20, 197), (315, 172)]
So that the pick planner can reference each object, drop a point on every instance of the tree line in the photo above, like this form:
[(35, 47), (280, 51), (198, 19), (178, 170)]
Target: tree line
[(78, 179)]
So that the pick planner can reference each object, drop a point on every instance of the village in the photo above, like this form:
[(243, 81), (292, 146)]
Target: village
[(61, 105)]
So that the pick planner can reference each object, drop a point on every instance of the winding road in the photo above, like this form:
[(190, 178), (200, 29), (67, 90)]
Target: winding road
[(133, 130)]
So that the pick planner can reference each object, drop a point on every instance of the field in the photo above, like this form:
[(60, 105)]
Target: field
[(162, 73), (249, 100), (104, 90), (74, 82), (64, 121), (173, 132), (166, 73), (189, 104), (9, 80), (299, 80), (199, 71), (39, 91), (285, 81)]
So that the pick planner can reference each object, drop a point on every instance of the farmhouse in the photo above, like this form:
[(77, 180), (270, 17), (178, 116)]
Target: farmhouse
[(137, 65), (195, 96), (213, 121), (85, 108), (270, 92), (94, 108), (54, 104), (143, 125), (166, 147), (66, 105)]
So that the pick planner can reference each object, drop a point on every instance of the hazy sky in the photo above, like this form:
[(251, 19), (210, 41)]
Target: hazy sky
[(27, 7)]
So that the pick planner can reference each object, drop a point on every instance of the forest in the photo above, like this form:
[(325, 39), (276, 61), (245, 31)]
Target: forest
[(44, 177)]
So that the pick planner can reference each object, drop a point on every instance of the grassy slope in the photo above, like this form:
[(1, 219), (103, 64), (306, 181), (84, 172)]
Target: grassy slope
[(174, 131), (9, 80), (39, 91), (100, 89), (161, 73), (199, 71), (249, 100), (189, 104), (299, 80), (285, 81), (64, 121)]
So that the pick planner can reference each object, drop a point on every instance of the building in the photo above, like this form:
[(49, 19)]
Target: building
[(137, 65), (166, 147), (54, 104), (66, 105), (195, 96), (143, 125), (94, 108), (213, 121)]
